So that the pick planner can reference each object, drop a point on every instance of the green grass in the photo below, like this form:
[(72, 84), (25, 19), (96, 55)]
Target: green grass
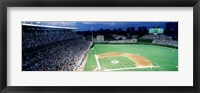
[(91, 61), (165, 57)]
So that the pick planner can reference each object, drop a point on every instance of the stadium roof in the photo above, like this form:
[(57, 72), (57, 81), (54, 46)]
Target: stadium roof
[(72, 28)]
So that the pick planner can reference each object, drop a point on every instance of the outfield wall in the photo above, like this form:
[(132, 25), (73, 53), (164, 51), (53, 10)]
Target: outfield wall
[(146, 42)]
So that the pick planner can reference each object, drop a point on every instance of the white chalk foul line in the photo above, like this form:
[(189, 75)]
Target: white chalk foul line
[(98, 64), (134, 68)]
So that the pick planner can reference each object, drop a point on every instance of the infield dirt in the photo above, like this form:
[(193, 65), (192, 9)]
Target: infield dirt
[(140, 61)]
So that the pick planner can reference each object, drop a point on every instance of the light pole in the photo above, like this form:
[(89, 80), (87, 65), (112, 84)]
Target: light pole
[(92, 34)]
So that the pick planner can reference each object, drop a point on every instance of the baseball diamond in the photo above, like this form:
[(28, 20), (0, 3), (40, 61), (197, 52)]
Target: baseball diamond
[(131, 57)]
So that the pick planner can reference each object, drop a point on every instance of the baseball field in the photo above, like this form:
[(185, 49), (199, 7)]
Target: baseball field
[(131, 57)]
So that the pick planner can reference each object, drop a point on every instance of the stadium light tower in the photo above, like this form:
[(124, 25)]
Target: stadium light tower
[(92, 33)]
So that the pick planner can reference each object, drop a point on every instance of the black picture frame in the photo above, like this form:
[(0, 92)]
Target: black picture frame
[(101, 3)]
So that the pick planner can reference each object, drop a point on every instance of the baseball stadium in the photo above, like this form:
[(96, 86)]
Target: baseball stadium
[(54, 48)]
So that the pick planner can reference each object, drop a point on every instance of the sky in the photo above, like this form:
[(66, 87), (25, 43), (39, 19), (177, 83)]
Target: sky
[(84, 26)]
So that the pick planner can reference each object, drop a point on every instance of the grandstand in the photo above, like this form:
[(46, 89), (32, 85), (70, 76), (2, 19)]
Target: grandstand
[(157, 37), (161, 40), (52, 48)]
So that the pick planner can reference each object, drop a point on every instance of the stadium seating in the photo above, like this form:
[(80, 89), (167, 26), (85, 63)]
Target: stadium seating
[(62, 56), (32, 40), (161, 39)]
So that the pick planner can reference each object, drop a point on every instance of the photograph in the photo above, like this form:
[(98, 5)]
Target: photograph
[(65, 46), (99, 46)]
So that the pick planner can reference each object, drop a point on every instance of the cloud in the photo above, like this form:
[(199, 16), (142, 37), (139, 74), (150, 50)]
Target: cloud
[(61, 23), (90, 22), (51, 23), (106, 23), (112, 23)]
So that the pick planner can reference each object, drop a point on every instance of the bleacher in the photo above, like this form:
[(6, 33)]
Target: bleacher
[(161, 40)]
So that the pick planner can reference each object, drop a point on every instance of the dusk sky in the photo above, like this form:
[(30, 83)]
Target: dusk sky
[(84, 26)]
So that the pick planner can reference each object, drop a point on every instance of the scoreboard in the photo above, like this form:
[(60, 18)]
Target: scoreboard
[(156, 31), (100, 38)]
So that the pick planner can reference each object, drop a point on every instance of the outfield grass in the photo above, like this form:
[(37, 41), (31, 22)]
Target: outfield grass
[(165, 57)]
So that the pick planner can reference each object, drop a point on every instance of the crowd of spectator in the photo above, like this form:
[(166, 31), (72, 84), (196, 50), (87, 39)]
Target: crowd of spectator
[(156, 37), (59, 57), (32, 40), (166, 42), (161, 39)]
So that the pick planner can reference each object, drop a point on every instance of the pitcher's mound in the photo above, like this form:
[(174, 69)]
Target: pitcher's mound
[(114, 61)]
